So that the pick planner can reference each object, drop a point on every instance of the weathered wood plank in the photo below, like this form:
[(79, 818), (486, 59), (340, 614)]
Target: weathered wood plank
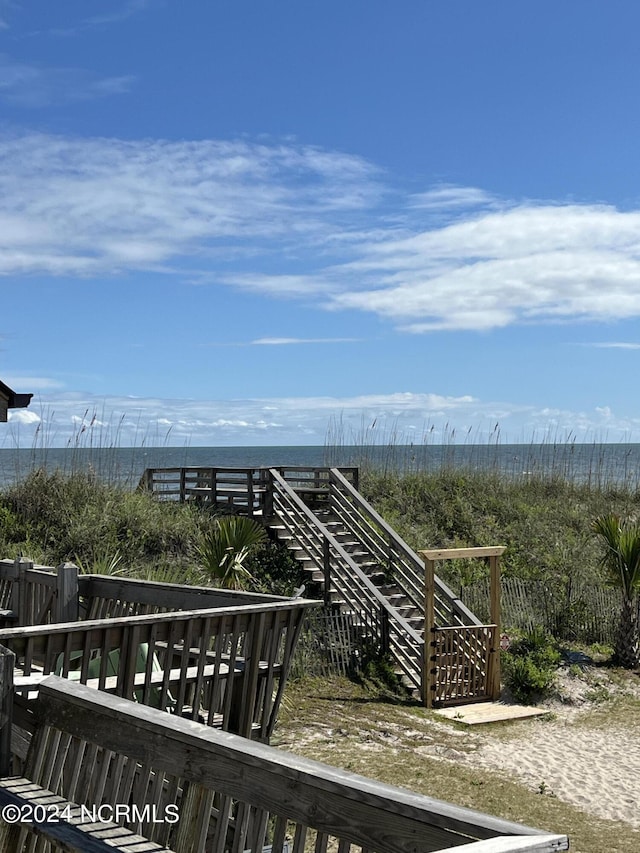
[(7, 663), (220, 679), (94, 588), (71, 834), (311, 794)]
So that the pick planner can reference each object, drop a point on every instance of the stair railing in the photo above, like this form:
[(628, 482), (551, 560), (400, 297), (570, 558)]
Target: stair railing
[(380, 620), (393, 553)]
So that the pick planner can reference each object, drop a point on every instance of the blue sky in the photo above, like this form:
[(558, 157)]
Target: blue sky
[(246, 223)]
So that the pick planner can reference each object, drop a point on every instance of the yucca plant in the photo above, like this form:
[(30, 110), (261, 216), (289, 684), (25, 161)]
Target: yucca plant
[(622, 560), (225, 548)]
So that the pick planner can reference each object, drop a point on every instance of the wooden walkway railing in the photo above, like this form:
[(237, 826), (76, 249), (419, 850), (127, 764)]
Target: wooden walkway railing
[(403, 564), (197, 790), (226, 666), (41, 595), (245, 491), (37, 595), (106, 596)]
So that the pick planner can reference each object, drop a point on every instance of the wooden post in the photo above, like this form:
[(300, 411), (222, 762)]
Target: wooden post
[(493, 645), (428, 677), (250, 494), (66, 609), (7, 662), (23, 610), (494, 569), (14, 600), (326, 567)]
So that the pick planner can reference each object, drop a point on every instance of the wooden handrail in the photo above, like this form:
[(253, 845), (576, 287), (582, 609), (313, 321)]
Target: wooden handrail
[(413, 560), (249, 647), (357, 589)]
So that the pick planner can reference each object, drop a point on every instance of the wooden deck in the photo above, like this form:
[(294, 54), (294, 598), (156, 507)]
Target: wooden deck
[(218, 656), (224, 666)]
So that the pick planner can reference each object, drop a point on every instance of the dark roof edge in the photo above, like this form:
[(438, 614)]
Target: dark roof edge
[(14, 401)]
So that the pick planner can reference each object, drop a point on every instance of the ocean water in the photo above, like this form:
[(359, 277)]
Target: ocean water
[(597, 464)]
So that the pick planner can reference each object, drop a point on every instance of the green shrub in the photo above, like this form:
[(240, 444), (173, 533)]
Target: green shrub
[(530, 665), (275, 570), (81, 519), (377, 673), (527, 681)]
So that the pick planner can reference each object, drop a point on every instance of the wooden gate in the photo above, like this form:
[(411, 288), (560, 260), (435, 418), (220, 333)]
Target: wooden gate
[(463, 658), (461, 662)]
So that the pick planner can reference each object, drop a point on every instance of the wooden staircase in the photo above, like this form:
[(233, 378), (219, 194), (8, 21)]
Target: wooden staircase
[(357, 562), (363, 558), (365, 568)]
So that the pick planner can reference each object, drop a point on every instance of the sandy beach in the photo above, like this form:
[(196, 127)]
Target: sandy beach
[(597, 770)]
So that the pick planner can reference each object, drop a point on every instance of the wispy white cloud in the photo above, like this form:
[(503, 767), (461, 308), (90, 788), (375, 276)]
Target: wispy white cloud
[(27, 384), (112, 14), (35, 85), (62, 419), (615, 345), (528, 264), (295, 341), (298, 222), (120, 13), (100, 206), (445, 197), (282, 286)]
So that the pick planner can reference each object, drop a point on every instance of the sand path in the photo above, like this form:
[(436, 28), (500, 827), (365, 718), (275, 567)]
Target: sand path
[(595, 769)]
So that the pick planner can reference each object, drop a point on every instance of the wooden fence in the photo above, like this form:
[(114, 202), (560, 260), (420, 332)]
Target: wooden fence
[(226, 793), (329, 644), (571, 611), (239, 490), (41, 595)]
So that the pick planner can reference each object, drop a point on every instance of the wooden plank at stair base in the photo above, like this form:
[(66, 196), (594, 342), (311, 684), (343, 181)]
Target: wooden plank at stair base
[(489, 712)]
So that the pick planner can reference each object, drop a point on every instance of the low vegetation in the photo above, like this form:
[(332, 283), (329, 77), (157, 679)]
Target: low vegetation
[(529, 666), (546, 524), (52, 518)]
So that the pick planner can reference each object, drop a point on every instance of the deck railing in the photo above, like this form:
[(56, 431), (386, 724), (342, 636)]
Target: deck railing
[(240, 490), (41, 595), (226, 667), (108, 596), (224, 793), (37, 595), (400, 562)]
